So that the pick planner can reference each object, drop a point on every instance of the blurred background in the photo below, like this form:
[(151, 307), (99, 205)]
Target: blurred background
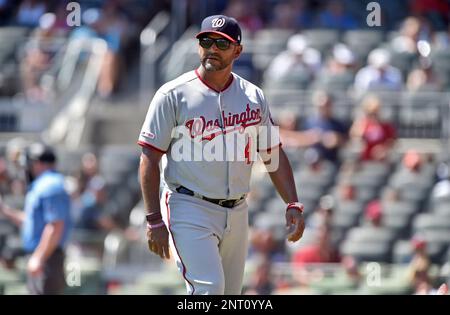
[(364, 113)]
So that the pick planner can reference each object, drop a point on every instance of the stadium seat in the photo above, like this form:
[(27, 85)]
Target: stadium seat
[(321, 39), (361, 42), (441, 65), (349, 207), (267, 44), (344, 221), (431, 222), (366, 251), (6, 228), (397, 222), (442, 209), (367, 234), (403, 61), (402, 252), (399, 207)]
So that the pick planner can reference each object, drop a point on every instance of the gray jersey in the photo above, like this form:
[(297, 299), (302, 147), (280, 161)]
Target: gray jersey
[(209, 118)]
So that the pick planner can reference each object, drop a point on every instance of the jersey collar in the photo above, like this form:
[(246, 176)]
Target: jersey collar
[(210, 87)]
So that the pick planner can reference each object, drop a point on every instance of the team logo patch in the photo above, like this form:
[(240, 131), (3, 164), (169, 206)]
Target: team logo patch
[(148, 134), (218, 22)]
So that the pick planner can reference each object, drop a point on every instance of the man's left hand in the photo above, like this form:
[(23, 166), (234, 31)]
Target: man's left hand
[(35, 266), (295, 219)]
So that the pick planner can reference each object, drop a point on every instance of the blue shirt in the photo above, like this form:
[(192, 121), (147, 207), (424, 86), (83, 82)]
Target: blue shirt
[(324, 125), (46, 201)]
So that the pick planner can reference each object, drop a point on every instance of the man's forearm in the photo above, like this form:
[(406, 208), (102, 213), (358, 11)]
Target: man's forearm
[(283, 179), (49, 240), (150, 179), (15, 216)]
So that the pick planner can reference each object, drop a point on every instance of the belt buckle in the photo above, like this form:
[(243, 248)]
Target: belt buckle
[(222, 202)]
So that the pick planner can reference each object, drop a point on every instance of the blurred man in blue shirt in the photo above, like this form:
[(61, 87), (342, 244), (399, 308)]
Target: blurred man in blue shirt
[(45, 221), (321, 131)]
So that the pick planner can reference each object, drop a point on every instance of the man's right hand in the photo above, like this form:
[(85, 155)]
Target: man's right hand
[(158, 241)]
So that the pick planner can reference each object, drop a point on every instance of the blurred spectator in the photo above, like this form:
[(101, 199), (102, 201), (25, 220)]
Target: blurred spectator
[(415, 172), (346, 191), (316, 165), (109, 26), (323, 214), (377, 136), (419, 266), (89, 198), (339, 69), (441, 40), (5, 11), (335, 16), (261, 281), (350, 266), (246, 13), (322, 132), (378, 74), (30, 11), (287, 119), (283, 16), (304, 18), (316, 170), (39, 51), (60, 24), (423, 78), (294, 67), (411, 32), (426, 288), (374, 213), (441, 190), (322, 251), (392, 194), (264, 243), (14, 149), (435, 11), (5, 180)]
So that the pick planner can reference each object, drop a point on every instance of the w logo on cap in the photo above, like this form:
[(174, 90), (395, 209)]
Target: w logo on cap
[(218, 22)]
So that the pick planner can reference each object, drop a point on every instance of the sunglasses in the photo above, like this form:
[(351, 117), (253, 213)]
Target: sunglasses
[(221, 43)]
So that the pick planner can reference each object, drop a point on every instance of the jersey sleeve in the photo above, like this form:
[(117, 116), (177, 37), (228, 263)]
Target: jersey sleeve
[(55, 207), (156, 132), (268, 133)]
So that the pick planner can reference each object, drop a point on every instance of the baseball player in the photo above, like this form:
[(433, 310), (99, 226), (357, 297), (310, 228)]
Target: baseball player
[(201, 214)]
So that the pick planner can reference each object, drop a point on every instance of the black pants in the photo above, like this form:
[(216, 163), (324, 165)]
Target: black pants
[(52, 280)]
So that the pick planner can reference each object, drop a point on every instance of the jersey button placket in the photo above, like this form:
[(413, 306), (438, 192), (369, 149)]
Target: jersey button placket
[(222, 108)]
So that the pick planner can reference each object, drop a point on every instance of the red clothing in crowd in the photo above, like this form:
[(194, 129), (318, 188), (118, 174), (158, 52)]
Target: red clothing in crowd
[(375, 133), (315, 254), (424, 6)]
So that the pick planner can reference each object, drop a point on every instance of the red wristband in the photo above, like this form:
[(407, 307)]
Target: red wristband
[(153, 217), (295, 205)]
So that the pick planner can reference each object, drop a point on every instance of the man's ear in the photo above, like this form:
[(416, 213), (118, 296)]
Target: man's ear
[(238, 51)]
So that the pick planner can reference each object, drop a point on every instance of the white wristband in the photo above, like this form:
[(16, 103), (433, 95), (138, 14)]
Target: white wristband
[(155, 226)]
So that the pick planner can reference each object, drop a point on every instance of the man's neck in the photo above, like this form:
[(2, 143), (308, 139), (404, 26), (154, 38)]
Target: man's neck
[(218, 80), (43, 170)]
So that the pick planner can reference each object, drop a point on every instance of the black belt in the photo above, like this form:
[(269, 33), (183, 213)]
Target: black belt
[(227, 203)]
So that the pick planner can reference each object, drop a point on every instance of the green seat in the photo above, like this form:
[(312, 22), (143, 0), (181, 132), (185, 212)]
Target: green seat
[(333, 284), (16, 289)]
